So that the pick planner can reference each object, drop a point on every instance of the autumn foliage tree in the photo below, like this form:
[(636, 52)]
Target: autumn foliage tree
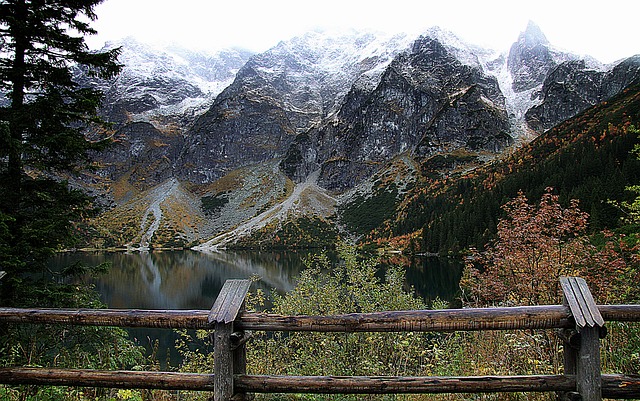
[(535, 246)]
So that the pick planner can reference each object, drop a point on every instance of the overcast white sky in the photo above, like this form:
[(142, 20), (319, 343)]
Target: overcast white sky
[(607, 30)]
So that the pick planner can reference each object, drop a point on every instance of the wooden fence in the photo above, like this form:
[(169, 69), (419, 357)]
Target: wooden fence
[(579, 320)]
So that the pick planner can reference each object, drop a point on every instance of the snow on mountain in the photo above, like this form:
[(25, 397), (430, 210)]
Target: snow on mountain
[(159, 82), (336, 106), (522, 70), (427, 101), (280, 93), (315, 71), (466, 53)]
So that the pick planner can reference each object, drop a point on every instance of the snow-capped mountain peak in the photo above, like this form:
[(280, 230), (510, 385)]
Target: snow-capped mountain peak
[(533, 36), (166, 81), (316, 70), (466, 53)]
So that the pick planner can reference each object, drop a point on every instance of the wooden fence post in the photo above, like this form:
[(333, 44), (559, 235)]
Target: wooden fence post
[(570, 345), (227, 362), (585, 363)]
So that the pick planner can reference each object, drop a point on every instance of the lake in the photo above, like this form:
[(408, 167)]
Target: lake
[(192, 280)]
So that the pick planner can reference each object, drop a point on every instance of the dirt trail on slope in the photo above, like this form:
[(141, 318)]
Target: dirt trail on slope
[(276, 213), (160, 195)]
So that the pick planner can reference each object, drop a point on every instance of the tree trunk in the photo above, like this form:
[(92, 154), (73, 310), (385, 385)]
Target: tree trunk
[(12, 204), (19, 31)]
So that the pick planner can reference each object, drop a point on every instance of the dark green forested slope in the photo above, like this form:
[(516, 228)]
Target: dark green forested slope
[(587, 158)]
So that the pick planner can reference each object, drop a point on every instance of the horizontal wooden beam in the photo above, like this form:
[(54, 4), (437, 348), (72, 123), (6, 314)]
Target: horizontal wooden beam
[(620, 313), (403, 385), (286, 384), (621, 386), (613, 386), (526, 317), (108, 379), (170, 319)]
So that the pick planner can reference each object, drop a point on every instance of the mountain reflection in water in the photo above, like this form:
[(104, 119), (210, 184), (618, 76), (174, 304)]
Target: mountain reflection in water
[(182, 279), (192, 280)]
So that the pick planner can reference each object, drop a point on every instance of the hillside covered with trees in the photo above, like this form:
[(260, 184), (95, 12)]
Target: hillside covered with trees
[(588, 158)]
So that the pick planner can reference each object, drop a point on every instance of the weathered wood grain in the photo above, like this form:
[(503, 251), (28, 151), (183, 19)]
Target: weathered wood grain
[(588, 373), (287, 384), (613, 386), (229, 301), (589, 323), (225, 309), (403, 385), (223, 361), (554, 316), (187, 319), (109, 379), (527, 317), (621, 386), (580, 300), (594, 317), (620, 313)]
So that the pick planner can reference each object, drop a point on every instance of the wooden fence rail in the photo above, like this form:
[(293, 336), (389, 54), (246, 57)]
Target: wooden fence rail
[(513, 318), (579, 319)]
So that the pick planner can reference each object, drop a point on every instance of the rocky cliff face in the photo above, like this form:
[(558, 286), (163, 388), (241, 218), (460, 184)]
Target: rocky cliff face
[(622, 75), (141, 157), (157, 95), (427, 101), (278, 94), (530, 59), (574, 86), (521, 72)]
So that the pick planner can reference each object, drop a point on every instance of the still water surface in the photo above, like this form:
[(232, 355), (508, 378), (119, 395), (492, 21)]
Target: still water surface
[(182, 279), (192, 280)]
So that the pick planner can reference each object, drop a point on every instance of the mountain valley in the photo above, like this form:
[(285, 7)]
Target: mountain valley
[(322, 136)]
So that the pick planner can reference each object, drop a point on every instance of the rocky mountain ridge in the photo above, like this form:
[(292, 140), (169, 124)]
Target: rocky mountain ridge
[(279, 94), (339, 108), (427, 101), (574, 86)]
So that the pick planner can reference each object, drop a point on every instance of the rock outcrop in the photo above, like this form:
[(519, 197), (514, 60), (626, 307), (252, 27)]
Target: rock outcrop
[(574, 86), (531, 58), (279, 94), (164, 82), (225, 135), (427, 101)]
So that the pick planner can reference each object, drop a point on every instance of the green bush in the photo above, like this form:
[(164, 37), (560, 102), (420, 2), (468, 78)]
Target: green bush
[(63, 346), (347, 287)]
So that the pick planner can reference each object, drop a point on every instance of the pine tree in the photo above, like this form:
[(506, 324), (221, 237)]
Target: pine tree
[(44, 120)]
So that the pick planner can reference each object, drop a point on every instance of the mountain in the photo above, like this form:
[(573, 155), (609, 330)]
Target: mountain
[(318, 130), (150, 103), (428, 100), (574, 86), (531, 58), (279, 94), (588, 157), (158, 82)]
